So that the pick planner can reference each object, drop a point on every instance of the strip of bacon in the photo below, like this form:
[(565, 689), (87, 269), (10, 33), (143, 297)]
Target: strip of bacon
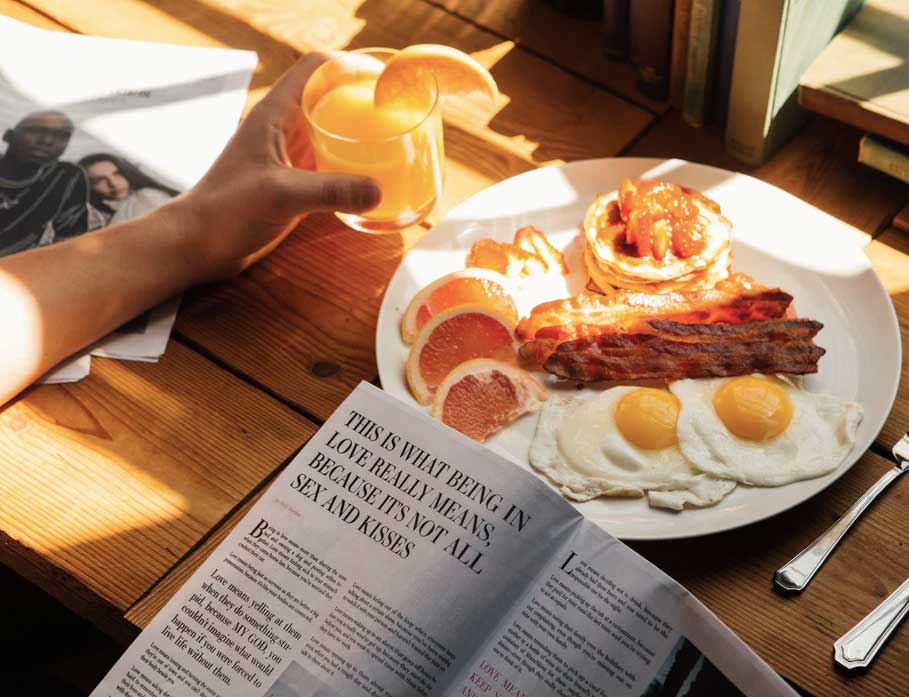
[(593, 313), (702, 308), (673, 351)]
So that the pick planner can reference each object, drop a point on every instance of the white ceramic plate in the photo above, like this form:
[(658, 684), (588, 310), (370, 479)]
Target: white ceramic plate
[(777, 238)]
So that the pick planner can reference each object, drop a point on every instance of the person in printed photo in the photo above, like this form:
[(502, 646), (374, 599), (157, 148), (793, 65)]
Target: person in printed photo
[(119, 190), (42, 198)]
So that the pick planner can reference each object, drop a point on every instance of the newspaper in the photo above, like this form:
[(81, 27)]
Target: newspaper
[(123, 126), (395, 557)]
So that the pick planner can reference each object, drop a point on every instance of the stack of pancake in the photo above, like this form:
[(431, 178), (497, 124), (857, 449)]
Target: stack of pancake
[(612, 263)]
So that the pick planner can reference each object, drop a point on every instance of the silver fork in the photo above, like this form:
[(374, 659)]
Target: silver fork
[(795, 575)]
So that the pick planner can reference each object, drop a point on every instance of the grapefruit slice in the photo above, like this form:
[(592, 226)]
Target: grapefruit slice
[(483, 395), (466, 287), (453, 336), (456, 74)]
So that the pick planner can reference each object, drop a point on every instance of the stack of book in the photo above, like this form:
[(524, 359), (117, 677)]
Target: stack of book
[(862, 78), (736, 63)]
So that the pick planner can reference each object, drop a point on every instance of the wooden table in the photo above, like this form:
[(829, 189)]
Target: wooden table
[(113, 490)]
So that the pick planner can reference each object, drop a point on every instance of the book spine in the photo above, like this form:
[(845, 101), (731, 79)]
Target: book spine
[(754, 72), (615, 28), (681, 24), (698, 71), (729, 20), (877, 154), (650, 33)]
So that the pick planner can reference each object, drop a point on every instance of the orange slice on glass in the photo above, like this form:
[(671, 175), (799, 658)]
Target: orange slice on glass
[(481, 396), (456, 74), (453, 336), (466, 287)]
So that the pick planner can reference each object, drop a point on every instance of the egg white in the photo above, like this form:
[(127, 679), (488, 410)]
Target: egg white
[(819, 437), (578, 446)]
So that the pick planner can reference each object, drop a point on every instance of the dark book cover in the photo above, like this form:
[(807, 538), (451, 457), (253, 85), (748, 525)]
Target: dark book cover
[(651, 45), (615, 28), (729, 22)]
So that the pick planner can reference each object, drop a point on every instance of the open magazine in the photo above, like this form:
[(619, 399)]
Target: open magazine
[(396, 557), (99, 131)]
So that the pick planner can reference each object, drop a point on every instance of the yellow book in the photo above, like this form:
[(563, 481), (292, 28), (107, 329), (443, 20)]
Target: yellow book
[(885, 156)]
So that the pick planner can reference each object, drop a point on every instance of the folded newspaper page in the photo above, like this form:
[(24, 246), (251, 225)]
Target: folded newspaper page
[(394, 557), (105, 132), (71, 369)]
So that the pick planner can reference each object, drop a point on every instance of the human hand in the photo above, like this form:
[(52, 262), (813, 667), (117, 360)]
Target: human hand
[(254, 195)]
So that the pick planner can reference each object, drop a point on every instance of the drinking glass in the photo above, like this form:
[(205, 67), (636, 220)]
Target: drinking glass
[(397, 144)]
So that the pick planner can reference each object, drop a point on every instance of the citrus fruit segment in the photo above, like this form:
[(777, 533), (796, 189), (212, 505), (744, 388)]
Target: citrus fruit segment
[(534, 241), (505, 258), (481, 396), (453, 336), (466, 287), (456, 74)]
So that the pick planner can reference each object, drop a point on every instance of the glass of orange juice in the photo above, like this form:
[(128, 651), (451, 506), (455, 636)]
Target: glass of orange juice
[(397, 143)]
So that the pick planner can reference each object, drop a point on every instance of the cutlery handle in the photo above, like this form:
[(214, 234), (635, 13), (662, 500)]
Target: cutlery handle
[(795, 575), (858, 647)]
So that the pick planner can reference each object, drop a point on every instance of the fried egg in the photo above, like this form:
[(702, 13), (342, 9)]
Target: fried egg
[(761, 430), (620, 443)]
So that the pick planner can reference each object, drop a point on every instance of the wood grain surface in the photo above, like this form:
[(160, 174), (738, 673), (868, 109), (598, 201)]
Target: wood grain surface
[(112, 479), (732, 574), (145, 608), (889, 255), (577, 45), (138, 467)]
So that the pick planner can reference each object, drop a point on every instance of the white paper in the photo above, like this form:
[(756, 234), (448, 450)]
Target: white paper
[(168, 110), (395, 557), (146, 345), (71, 369)]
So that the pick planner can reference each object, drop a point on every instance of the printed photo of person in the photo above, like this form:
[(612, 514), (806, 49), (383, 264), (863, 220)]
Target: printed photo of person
[(43, 199), (687, 673), (119, 190)]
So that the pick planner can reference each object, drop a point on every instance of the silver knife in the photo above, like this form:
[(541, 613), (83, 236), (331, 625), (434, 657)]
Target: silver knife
[(795, 575), (858, 647)]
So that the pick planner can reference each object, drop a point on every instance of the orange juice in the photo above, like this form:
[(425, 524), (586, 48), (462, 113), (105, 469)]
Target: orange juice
[(398, 144)]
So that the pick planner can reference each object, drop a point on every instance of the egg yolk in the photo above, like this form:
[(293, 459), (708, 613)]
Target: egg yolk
[(647, 418), (753, 408)]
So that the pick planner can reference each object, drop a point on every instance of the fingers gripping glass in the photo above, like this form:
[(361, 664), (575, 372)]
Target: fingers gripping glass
[(398, 144)]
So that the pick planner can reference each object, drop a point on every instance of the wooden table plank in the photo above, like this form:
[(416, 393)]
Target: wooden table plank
[(315, 305), (732, 574), (145, 609), (818, 165), (22, 13), (312, 307), (889, 254), (578, 45), (734, 585), (109, 481)]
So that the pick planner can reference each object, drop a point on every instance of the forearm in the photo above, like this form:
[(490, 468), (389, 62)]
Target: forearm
[(58, 299)]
